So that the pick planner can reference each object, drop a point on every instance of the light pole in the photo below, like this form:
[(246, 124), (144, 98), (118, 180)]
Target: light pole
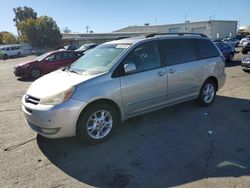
[(87, 28)]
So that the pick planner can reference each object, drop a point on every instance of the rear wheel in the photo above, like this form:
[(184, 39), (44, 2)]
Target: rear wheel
[(207, 93), (35, 73), (97, 123)]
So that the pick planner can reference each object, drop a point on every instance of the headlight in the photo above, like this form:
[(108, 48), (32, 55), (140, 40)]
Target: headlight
[(58, 98)]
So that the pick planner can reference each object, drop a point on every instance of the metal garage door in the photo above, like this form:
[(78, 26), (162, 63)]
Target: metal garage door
[(174, 30)]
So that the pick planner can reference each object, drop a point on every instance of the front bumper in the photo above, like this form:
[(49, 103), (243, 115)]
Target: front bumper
[(245, 66), (20, 72), (50, 121)]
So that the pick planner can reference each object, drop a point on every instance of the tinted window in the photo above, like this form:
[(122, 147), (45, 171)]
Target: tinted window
[(54, 57), (68, 55), (177, 51), (145, 57), (206, 49)]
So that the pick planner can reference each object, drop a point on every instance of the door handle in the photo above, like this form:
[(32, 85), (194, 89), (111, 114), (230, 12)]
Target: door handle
[(171, 71), (161, 73)]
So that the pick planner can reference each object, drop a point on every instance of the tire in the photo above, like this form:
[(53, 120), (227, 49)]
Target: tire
[(5, 56), (35, 73), (246, 70), (244, 51), (91, 126), (207, 93)]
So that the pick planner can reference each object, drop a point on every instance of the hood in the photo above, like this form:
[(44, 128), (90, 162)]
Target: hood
[(55, 82), (25, 63)]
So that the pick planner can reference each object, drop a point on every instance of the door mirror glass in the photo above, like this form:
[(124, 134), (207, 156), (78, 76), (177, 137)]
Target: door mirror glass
[(129, 68)]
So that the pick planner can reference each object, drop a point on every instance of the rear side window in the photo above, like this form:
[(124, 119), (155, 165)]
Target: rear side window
[(206, 49), (177, 51)]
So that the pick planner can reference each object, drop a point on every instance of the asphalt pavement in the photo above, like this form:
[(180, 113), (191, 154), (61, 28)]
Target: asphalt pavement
[(185, 145)]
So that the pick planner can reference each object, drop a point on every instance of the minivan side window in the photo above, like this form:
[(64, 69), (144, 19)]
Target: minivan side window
[(177, 51), (145, 57), (206, 49)]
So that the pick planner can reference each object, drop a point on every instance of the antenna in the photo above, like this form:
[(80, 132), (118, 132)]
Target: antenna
[(185, 19)]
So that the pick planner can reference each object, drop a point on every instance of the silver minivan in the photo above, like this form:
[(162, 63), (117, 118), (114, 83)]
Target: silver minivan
[(121, 79)]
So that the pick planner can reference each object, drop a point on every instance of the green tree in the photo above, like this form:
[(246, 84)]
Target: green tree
[(7, 38), (38, 31), (66, 30), (23, 13)]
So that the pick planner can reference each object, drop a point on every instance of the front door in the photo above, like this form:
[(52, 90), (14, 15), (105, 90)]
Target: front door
[(146, 87)]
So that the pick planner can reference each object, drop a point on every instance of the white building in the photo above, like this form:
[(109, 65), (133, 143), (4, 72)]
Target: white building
[(215, 29)]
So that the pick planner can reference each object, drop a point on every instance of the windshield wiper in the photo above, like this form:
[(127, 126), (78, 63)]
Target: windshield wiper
[(73, 71)]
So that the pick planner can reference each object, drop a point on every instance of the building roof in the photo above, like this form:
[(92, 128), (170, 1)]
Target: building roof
[(169, 25)]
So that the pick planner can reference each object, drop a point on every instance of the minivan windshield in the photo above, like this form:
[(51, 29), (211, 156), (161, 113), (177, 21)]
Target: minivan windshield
[(99, 59)]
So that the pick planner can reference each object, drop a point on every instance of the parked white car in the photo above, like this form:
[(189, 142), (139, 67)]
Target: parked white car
[(244, 39)]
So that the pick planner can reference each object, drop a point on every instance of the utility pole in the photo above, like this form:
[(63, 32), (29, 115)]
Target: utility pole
[(87, 28)]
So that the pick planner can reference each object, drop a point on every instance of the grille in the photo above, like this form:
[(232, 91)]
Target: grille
[(32, 100)]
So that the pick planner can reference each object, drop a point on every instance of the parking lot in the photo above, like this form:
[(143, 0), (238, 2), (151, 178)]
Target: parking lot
[(185, 145)]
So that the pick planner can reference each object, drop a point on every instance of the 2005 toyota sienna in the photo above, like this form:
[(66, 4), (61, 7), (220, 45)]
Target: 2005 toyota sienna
[(121, 79)]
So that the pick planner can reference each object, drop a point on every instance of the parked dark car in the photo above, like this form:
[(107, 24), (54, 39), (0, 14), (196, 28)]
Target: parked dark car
[(226, 49), (46, 63), (86, 47), (233, 41), (245, 63), (70, 47), (246, 47)]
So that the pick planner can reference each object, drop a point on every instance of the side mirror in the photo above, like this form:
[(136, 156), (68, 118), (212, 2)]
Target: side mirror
[(129, 68)]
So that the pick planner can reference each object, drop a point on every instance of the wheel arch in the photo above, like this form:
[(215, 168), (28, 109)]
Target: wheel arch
[(214, 79), (101, 101)]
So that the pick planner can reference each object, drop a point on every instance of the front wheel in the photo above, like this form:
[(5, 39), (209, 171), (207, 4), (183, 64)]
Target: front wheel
[(244, 51), (35, 73), (5, 56), (97, 123), (246, 70), (207, 93)]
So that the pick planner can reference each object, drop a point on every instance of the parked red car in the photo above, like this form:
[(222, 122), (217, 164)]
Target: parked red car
[(46, 63)]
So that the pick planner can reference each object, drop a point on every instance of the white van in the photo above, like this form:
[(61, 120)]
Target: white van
[(11, 50)]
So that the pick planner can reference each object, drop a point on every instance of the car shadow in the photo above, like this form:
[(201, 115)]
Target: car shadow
[(165, 148), (26, 79)]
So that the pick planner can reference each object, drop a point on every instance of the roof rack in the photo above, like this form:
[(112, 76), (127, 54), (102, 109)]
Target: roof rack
[(119, 38), (179, 34)]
